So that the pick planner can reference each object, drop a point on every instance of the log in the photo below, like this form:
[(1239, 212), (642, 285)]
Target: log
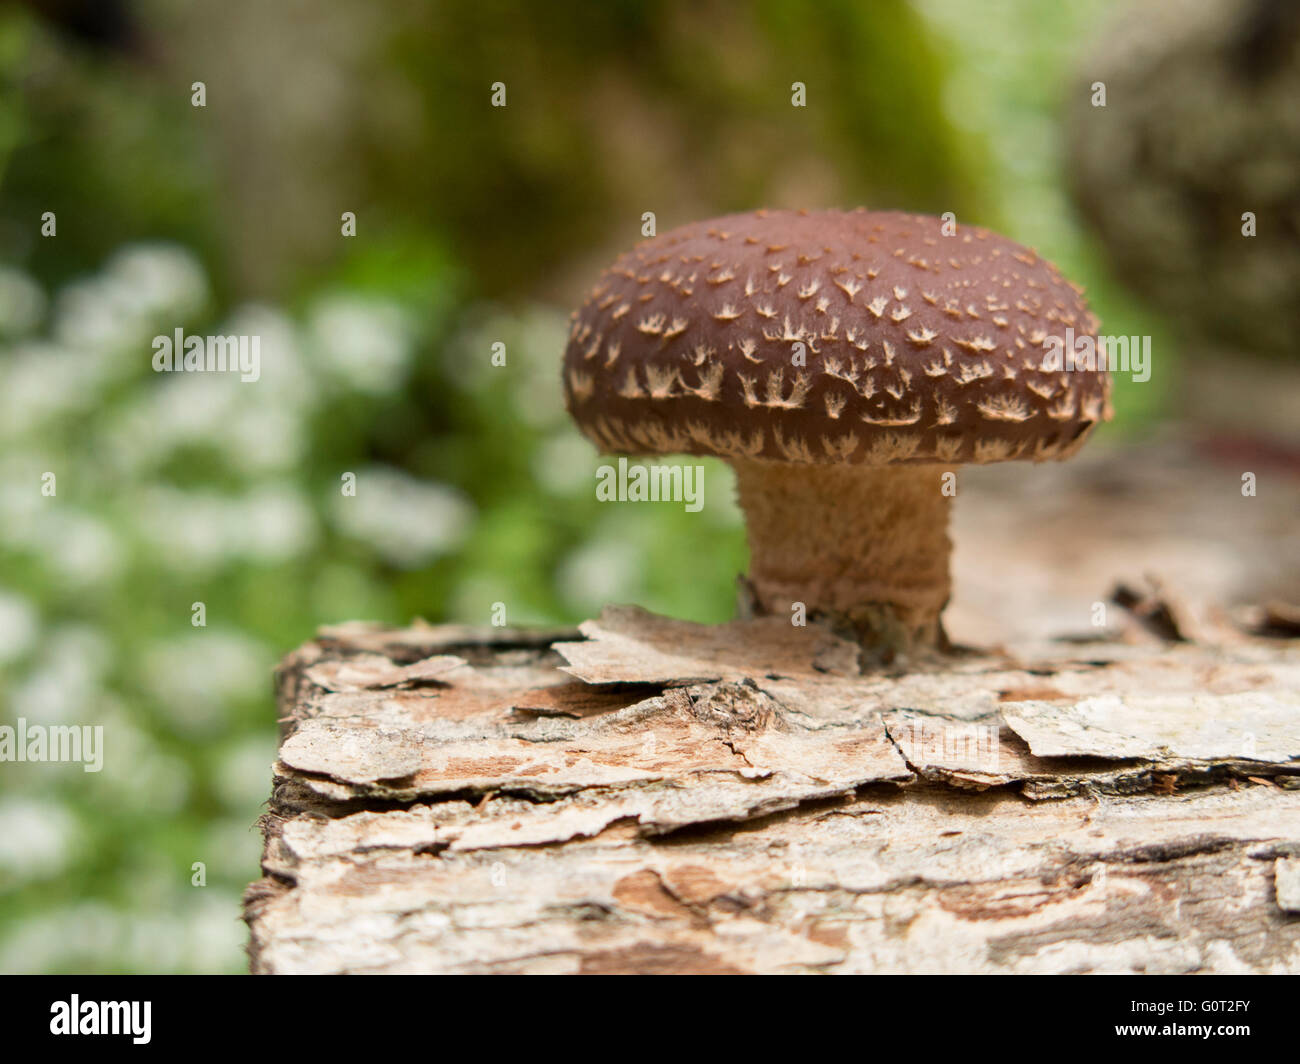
[(644, 794), (648, 795)]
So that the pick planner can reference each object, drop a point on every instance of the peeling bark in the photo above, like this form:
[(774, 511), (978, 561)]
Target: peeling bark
[(655, 796)]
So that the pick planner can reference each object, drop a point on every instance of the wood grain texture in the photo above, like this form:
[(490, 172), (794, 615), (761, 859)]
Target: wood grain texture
[(464, 805)]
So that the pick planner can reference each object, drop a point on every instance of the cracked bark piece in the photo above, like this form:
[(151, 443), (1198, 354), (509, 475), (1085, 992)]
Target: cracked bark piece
[(631, 645), (577, 699), (978, 754), (706, 738), (420, 636), (966, 753), (360, 756), (1250, 725), (375, 671)]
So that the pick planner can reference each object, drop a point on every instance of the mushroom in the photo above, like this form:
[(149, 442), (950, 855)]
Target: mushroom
[(841, 363)]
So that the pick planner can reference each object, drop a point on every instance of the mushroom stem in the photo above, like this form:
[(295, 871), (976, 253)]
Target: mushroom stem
[(864, 548)]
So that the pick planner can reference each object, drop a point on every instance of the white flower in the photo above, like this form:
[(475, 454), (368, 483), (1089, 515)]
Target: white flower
[(43, 941), (157, 280), (204, 529), (76, 545), (186, 529), (599, 573), (21, 501), (246, 424), (274, 523), (42, 381), (18, 627), (38, 839), (287, 379), (180, 410), (196, 677), (142, 289), (87, 315), (409, 522), (65, 685), (365, 343), (263, 438), (137, 775), (192, 933)]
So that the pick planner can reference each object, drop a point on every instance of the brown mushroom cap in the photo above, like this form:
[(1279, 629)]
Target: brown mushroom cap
[(919, 347)]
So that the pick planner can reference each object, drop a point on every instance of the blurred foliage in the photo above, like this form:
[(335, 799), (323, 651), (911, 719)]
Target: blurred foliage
[(475, 226), (613, 109), (683, 109)]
